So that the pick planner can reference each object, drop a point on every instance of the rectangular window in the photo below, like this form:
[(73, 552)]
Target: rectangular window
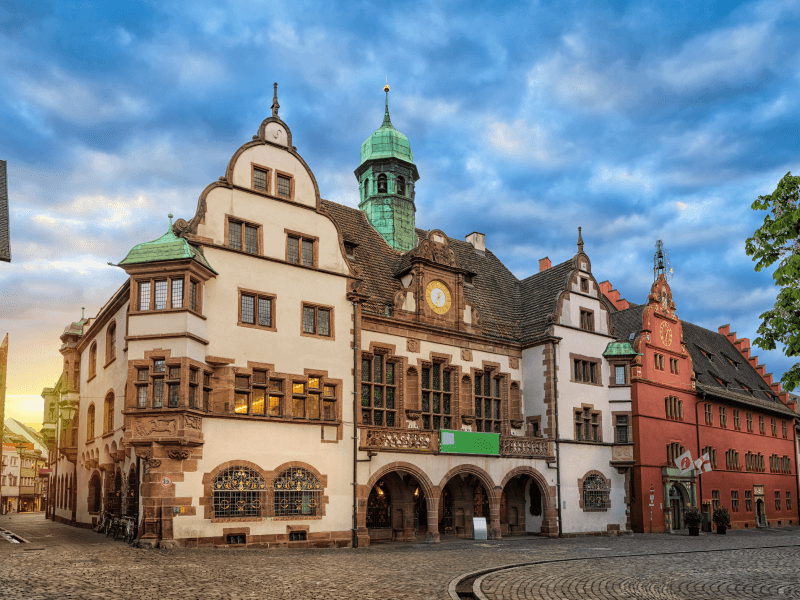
[(777, 500), (584, 285), (256, 309), (299, 400), (141, 396), (243, 235), (275, 398), (235, 235), (587, 425), (749, 422), (248, 309), (587, 320), (144, 295), (158, 392), (300, 250), (584, 371), (659, 361), (673, 366), (316, 320), (788, 500), (329, 402), (774, 424), (177, 293), (674, 450), (284, 185), (737, 424), (161, 295), (709, 415), (619, 375), (487, 403), (379, 393), (436, 398), (723, 417), (174, 394), (785, 429), (714, 499), (748, 500), (674, 408), (735, 501), (251, 239), (622, 429), (761, 429), (192, 294), (260, 178), (293, 250)]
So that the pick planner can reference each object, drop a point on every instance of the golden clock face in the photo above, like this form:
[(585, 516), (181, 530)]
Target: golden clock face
[(438, 297), (666, 334)]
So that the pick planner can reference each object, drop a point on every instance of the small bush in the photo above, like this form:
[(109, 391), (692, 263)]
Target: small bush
[(722, 517), (692, 517)]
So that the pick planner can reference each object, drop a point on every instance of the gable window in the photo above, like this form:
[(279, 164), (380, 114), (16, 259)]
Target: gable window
[(659, 361), (243, 235), (596, 491), (401, 186), (239, 492), (584, 285), (436, 398), (93, 360), (788, 500), (673, 407), (301, 250), (737, 423), (378, 391), (774, 424), (285, 185), (350, 250), (674, 450), (488, 414), (261, 178), (673, 366), (382, 188), (111, 342), (317, 320), (587, 320), (256, 309), (723, 417), (584, 371), (587, 425)]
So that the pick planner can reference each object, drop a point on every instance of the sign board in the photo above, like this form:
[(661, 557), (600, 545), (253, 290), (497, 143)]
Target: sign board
[(469, 442), (166, 481), (479, 531)]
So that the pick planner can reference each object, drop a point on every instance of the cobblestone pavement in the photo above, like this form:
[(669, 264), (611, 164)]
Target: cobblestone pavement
[(62, 562)]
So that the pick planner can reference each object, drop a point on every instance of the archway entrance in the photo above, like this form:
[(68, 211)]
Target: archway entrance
[(677, 503), (761, 517), (521, 506), (463, 498), (133, 493), (396, 509)]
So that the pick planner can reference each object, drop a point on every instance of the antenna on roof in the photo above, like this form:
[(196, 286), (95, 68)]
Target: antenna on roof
[(661, 264)]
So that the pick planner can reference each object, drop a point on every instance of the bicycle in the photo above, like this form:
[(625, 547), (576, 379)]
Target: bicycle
[(113, 526), (130, 530), (103, 522)]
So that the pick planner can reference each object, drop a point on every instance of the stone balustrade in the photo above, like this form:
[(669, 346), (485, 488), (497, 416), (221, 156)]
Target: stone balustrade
[(515, 446), (399, 440)]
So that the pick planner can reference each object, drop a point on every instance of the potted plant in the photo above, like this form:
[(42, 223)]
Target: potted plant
[(693, 520), (722, 519)]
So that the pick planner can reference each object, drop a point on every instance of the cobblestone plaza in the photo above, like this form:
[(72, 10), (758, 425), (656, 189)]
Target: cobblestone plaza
[(61, 562)]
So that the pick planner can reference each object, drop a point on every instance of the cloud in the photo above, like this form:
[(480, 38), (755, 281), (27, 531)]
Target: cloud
[(531, 144)]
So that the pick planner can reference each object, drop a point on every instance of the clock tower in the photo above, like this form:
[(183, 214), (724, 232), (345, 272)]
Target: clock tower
[(386, 178)]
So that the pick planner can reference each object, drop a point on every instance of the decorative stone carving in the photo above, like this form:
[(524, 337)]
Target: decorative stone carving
[(400, 439), (154, 462), (144, 453), (516, 423), (412, 345), (156, 425), (192, 422), (528, 447), (413, 415), (439, 252), (466, 354), (513, 363), (467, 419), (399, 300), (179, 454)]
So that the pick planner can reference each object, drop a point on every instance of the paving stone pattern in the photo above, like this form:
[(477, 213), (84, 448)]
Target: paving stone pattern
[(62, 562)]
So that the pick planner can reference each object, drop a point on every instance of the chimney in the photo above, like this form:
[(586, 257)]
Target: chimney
[(544, 264), (478, 241)]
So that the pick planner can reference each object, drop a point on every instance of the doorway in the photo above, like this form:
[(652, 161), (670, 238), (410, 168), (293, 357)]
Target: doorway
[(677, 507), (761, 518)]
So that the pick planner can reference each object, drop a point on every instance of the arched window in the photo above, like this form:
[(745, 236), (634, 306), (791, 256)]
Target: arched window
[(94, 494), (108, 413), (111, 341), (366, 188), (93, 360), (239, 492), (401, 185), (297, 492), (90, 422), (596, 491), (381, 184)]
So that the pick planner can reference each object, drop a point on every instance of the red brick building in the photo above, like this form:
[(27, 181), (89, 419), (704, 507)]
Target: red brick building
[(698, 390)]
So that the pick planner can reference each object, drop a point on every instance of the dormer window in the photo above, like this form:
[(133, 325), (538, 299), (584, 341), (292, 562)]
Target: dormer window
[(350, 250), (382, 184), (469, 280), (401, 186)]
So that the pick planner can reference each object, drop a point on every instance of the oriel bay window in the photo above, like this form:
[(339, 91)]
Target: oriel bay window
[(488, 411), (260, 395), (378, 391), (436, 398), (167, 293)]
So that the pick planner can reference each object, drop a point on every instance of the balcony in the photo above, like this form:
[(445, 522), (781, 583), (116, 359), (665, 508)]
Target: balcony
[(526, 447)]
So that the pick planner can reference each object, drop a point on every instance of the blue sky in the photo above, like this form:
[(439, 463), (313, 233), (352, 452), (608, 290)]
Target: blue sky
[(634, 120)]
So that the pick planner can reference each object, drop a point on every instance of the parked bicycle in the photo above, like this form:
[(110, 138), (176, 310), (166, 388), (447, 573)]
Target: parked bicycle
[(129, 529), (113, 526), (101, 526)]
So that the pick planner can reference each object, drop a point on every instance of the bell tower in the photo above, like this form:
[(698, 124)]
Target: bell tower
[(386, 178)]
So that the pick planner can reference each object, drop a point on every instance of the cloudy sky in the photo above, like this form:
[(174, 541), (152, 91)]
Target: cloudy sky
[(634, 120)]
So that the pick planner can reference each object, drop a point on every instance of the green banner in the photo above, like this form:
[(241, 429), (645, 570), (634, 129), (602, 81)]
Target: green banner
[(469, 442)]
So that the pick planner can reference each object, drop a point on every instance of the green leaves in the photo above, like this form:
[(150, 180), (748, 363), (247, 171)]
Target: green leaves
[(778, 240)]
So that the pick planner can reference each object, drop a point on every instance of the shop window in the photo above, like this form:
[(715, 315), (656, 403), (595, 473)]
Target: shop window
[(488, 403), (239, 492), (298, 492)]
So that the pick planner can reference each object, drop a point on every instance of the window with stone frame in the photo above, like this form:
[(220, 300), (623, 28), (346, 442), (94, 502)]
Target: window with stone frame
[(207, 391), (750, 422), (785, 429), (748, 500), (379, 391), (284, 185), (674, 366), (723, 417), (709, 415), (674, 450), (761, 427), (297, 492), (735, 501), (194, 297), (243, 235), (239, 491), (301, 250), (173, 384), (737, 422), (261, 178), (160, 293), (436, 397), (584, 285), (90, 422), (714, 499), (92, 360), (774, 424), (588, 427), (195, 393), (317, 320), (622, 429), (732, 460), (488, 403), (712, 455), (788, 500), (585, 371), (257, 309), (158, 372), (777, 500), (659, 361), (620, 375), (596, 493), (587, 320), (108, 413), (111, 341), (673, 408)]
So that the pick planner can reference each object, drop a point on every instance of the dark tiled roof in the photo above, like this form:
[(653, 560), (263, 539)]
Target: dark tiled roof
[(5, 234), (628, 321), (496, 292)]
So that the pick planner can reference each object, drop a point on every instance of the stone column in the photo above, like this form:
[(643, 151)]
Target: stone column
[(432, 536)]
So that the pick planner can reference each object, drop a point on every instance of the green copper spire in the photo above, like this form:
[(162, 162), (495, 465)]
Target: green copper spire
[(386, 177)]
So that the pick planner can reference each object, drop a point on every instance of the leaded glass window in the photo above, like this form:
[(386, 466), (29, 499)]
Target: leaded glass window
[(297, 492), (141, 396), (596, 492), (144, 295), (316, 320), (308, 252), (235, 235), (177, 293), (259, 179), (248, 305), (239, 492), (293, 250), (158, 392), (161, 295), (308, 319), (193, 295), (284, 186), (488, 412), (248, 309), (378, 391), (251, 239), (436, 398)]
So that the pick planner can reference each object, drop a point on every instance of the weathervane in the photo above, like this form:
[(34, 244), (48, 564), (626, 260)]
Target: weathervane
[(661, 264)]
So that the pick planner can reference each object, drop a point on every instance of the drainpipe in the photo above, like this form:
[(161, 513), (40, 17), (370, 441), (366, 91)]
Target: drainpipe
[(355, 424), (558, 437), (697, 427), (796, 480)]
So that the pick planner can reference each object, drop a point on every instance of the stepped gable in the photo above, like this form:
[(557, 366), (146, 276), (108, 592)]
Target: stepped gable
[(495, 290), (726, 363), (628, 321), (538, 299)]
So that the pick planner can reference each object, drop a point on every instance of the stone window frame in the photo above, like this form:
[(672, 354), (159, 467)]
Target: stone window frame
[(584, 285), (712, 455), (108, 411), (588, 409), (762, 427), (658, 359), (674, 450), (735, 501), (598, 366), (737, 419), (290, 177), (184, 275), (612, 377), (748, 500), (749, 417), (778, 502), (290, 233), (774, 426), (709, 414), (788, 500), (331, 323), (581, 491), (674, 366), (629, 416), (232, 219), (268, 172), (587, 319), (399, 387), (492, 369), (444, 367), (186, 365), (715, 500), (535, 426), (207, 499), (673, 408), (785, 429), (258, 296), (111, 343), (732, 460)]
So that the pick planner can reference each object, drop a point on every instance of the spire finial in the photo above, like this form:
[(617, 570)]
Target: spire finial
[(82, 309), (386, 119), (580, 240), (170, 222), (275, 105)]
